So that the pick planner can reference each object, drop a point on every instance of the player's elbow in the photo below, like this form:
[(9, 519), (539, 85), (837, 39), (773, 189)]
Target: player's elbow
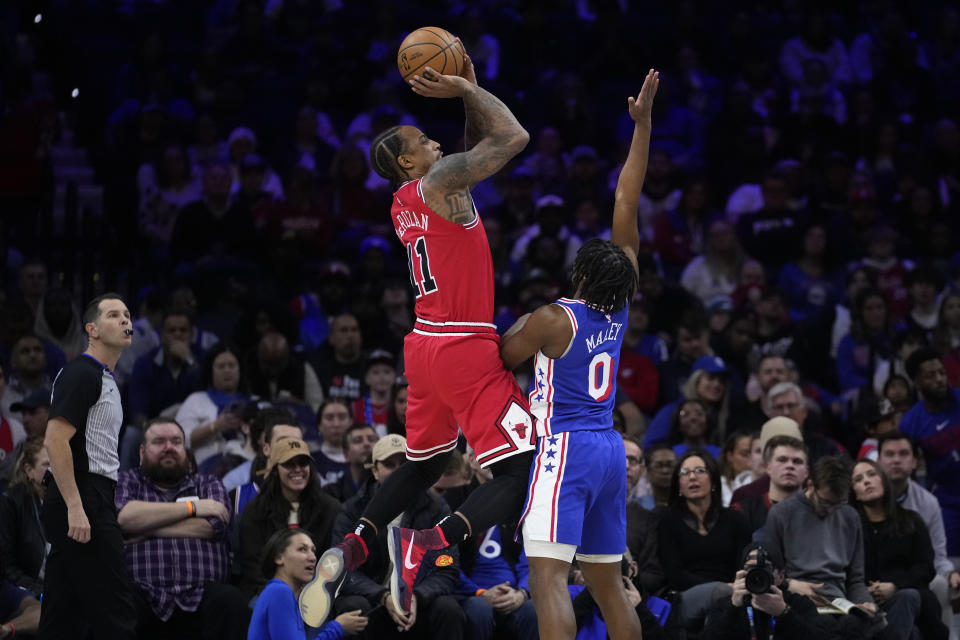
[(520, 139)]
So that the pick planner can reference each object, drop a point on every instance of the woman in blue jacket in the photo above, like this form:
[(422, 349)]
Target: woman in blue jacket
[(289, 560)]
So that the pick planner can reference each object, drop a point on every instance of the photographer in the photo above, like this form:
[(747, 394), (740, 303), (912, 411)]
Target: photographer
[(759, 608)]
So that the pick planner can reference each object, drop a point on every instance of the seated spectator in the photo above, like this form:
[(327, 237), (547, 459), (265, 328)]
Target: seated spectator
[(661, 460), (372, 408), (946, 336), (35, 411), (58, 322), (333, 419), (209, 226), (165, 186), (637, 337), (11, 435), (690, 336), (175, 523), (397, 416), (715, 272), (923, 286), (288, 563), (897, 556), (242, 142), (890, 271), (933, 423), (358, 441), (807, 282), (638, 486), (291, 498), (169, 373), (874, 417), (23, 545), (688, 429), (642, 543), (435, 612), (779, 426), (19, 609), (700, 539), (680, 234), (549, 214), (28, 371), (496, 570), (768, 235), (274, 373), (736, 462), (778, 614), (785, 463), (709, 384), (821, 539), (212, 418), (898, 455), (787, 400)]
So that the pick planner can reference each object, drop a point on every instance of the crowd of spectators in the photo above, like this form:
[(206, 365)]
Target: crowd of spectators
[(799, 293)]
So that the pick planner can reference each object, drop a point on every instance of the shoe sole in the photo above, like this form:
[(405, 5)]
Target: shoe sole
[(394, 576), (315, 600)]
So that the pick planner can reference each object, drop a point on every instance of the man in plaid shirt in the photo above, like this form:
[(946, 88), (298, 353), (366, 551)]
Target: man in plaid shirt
[(174, 523)]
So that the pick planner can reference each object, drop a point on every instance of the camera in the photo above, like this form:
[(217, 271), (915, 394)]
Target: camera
[(759, 579)]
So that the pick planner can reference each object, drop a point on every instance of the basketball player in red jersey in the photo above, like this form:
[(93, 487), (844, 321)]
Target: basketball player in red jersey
[(452, 357)]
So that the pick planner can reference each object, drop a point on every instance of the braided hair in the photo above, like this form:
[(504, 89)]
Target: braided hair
[(603, 276), (384, 151)]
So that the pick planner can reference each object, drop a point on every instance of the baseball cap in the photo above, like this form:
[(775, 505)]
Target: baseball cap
[(779, 426), (387, 446), (381, 356), (286, 449), (710, 364), (39, 397)]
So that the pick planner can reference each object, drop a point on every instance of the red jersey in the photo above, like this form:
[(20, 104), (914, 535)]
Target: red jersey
[(450, 266)]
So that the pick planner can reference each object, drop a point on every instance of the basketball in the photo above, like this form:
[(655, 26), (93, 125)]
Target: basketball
[(433, 47)]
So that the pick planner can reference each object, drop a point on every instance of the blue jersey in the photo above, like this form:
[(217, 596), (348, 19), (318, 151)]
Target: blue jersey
[(938, 434), (576, 391)]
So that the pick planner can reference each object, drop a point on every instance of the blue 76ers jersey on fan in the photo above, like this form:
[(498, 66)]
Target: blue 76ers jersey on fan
[(575, 392)]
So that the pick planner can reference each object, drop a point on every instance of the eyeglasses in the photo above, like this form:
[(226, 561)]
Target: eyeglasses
[(634, 461), (700, 471), (296, 463)]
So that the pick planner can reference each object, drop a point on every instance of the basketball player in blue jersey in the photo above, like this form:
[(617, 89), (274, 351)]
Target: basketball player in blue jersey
[(577, 495)]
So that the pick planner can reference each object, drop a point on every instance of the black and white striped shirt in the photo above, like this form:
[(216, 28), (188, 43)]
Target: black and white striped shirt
[(86, 395)]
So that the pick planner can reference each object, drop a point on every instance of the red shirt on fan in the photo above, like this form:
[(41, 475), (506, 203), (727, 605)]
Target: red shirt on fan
[(450, 266)]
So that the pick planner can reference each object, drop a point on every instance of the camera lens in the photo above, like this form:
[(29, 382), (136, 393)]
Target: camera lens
[(758, 580)]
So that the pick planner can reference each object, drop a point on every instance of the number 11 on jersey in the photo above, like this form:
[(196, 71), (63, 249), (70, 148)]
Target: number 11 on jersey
[(426, 283)]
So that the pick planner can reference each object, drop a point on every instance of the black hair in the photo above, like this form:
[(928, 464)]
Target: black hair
[(657, 446), (675, 436), (679, 503), (729, 444), (897, 435), (918, 358), (603, 276), (170, 312), (161, 420), (92, 311), (211, 355), (276, 545), (384, 151), (356, 426), (277, 508), (900, 523), (832, 472), (334, 400)]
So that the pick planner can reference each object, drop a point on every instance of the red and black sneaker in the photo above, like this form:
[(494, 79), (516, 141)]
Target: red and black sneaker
[(406, 554)]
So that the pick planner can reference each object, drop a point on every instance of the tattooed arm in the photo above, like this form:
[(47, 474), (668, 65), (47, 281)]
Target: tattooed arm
[(446, 187), (624, 232)]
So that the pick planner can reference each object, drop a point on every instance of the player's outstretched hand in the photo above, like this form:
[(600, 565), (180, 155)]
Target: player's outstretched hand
[(641, 106), (433, 85)]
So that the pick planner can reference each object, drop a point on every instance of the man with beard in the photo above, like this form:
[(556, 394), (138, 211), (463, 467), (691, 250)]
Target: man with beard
[(175, 524), (934, 424)]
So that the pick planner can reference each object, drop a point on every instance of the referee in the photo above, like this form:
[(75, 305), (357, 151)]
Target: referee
[(86, 587)]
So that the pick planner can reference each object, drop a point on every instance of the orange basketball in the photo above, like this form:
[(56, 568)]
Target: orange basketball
[(433, 47)]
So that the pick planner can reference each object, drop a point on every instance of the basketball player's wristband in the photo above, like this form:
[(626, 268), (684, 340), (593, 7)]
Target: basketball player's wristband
[(191, 509)]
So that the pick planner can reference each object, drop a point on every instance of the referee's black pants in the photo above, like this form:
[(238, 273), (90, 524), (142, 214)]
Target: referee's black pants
[(86, 588)]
